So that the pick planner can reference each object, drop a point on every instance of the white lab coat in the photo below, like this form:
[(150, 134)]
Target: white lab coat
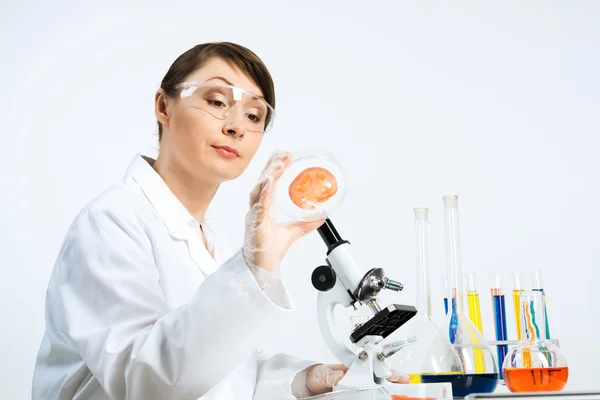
[(137, 308)]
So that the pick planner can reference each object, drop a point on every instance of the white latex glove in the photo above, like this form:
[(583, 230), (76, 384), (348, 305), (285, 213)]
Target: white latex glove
[(265, 242), (321, 378)]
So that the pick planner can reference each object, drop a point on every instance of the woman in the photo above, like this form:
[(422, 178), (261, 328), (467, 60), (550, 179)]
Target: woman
[(145, 300)]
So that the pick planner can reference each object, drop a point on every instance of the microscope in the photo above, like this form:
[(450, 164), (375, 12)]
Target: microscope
[(340, 282)]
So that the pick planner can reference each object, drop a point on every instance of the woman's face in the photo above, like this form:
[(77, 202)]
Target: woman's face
[(194, 138)]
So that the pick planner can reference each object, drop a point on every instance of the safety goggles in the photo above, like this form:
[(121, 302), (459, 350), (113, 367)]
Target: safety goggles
[(222, 101)]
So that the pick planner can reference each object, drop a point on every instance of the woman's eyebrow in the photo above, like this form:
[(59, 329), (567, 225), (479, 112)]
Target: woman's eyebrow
[(221, 78), (229, 83)]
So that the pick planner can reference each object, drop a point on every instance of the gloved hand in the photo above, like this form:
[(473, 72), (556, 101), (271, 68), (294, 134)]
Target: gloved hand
[(321, 378), (265, 242)]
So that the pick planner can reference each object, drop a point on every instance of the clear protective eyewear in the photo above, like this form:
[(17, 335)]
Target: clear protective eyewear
[(222, 100)]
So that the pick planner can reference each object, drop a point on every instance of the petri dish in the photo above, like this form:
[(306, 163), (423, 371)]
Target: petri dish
[(312, 187)]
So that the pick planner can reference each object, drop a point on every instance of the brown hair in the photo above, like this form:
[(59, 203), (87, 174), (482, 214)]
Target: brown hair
[(234, 54)]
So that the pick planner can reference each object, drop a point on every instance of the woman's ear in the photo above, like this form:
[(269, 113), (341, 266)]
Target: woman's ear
[(161, 107)]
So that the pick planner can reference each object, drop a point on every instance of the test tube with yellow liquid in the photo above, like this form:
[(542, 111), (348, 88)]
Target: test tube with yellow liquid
[(517, 288), (475, 317)]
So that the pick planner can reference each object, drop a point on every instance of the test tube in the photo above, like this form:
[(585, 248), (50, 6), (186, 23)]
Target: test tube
[(475, 316), (517, 288), (538, 287), (445, 294), (473, 299), (500, 321), (532, 306)]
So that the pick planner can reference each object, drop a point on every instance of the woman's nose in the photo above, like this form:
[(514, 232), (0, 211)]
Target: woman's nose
[(234, 121)]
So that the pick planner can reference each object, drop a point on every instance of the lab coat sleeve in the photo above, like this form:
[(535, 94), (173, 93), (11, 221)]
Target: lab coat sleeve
[(271, 283), (281, 377), (113, 312)]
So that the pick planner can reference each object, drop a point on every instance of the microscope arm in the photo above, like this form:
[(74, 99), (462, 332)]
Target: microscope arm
[(326, 302)]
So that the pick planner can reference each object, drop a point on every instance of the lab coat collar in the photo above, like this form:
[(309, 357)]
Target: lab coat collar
[(172, 212)]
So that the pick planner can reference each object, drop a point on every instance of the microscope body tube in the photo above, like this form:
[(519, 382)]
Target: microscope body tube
[(346, 269), (340, 257)]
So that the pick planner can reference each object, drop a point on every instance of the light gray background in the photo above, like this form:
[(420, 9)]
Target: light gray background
[(497, 102)]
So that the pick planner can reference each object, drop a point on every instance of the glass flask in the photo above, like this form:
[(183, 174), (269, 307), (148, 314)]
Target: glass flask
[(312, 187), (409, 360), (535, 364), (472, 368)]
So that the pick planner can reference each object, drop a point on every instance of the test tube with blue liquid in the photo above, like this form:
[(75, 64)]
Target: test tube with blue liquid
[(445, 283), (499, 306)]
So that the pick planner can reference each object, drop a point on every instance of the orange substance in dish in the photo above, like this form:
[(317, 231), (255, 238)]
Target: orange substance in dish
[(400, 397), (311, 187)]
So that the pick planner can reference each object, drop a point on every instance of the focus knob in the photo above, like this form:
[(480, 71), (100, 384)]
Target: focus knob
[(323, 278)]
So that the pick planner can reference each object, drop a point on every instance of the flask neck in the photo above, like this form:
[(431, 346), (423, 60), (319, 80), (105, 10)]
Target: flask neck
[(422, 262), (455, 301), (533, 322), (453, 257), (424, 299)]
